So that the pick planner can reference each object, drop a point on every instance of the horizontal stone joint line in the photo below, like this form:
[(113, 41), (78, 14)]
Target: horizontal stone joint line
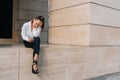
[(87, 24), (105, 6), (104, 46), (41, 32), (40, 1), (86, 3), (105, 25), (69, 6), (69, 25), (29, 20), (87, 46), (22, 19), (33, 10)]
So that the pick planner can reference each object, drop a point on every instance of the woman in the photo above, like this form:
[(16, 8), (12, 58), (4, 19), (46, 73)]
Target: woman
[(31, 38)]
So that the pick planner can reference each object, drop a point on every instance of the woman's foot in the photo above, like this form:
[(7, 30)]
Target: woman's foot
[(35, 67)]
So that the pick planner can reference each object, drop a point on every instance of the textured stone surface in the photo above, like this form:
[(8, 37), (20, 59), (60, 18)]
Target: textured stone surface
[(104, 35), (101, 14), (26, 55), (41, 0), (59, 62), (26, 73), (79, 63), (8, 71), (70, 35), (113, 76), (104, 16), (59, 35), (92, 61), (9, 59), (109, 3), (9, 56), (54, 4), (33, 5), (85, 35), (70, 16)]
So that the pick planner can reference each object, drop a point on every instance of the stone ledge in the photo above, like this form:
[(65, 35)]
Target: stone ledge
[(66, 62)]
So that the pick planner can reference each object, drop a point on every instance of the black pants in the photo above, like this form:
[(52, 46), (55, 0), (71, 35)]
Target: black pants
[(35, 45)]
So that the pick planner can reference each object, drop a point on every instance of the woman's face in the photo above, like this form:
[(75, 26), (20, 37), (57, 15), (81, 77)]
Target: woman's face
[(36, 23)]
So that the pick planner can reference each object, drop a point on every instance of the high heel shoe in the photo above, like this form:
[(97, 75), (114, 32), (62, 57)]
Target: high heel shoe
[(34, 71)]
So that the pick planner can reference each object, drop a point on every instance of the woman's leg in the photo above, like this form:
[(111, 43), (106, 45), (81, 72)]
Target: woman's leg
[(28, 44), (36, 47)]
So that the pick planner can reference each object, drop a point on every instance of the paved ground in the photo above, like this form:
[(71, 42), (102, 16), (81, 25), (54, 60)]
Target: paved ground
[(114, 76)]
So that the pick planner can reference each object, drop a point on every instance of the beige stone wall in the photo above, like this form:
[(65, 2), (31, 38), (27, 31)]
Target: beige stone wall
[(93, 27), (58, 62), (105, 16), (78, 63), (28, 9), (69, 22), (101, 17)]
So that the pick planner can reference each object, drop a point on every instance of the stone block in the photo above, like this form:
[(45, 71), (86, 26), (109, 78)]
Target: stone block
[(55, 4), (34, 5), (59, 35), (26, 55), (55, 54), (61, 62), (70, 16), (70, 35), (85, 35), (9, 71), (103, 35), (26, 72), (79, 35), (9, 56), (86, 62), (77, 63), (41, 0), (108, 3), (51, 64), (104, 16), (9, 59)]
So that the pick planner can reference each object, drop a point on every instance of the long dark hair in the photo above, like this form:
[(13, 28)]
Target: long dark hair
[(41, 18)]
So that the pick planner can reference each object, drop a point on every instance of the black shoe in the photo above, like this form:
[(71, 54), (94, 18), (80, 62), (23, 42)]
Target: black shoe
[(34, 71)]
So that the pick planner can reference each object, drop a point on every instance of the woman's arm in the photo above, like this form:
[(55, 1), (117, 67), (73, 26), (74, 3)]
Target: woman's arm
[(36, 32), (23, 33)]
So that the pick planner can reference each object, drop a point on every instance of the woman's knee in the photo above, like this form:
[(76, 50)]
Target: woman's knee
[(36, 38), (27, 44)]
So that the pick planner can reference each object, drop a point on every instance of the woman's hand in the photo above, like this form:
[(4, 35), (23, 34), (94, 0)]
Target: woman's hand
[(30, 40)]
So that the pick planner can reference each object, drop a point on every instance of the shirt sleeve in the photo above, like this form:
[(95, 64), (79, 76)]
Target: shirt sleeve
[(23, 33), (36, 32)]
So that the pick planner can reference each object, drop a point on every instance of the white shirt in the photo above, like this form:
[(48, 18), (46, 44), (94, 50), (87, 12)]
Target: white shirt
[(27, 32)]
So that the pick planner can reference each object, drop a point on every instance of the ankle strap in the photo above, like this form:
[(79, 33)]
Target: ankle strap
[(34, 62)]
